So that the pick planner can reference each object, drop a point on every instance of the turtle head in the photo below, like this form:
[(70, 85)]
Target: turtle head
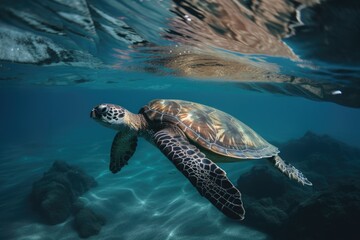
[(110, 115)]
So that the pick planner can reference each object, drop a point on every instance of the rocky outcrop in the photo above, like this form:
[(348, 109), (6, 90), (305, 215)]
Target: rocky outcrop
[(54, 194), (88, 223), (287, 210), (330, 214)]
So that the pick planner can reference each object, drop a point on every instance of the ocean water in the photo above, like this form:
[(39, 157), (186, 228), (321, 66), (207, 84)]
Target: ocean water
[(289, 70)]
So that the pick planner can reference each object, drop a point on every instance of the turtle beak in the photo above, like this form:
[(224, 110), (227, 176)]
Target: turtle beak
[(94, 114), (99, 111)]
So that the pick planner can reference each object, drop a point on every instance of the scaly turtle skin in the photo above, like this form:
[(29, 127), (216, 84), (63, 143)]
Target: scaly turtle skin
[(193, 136)]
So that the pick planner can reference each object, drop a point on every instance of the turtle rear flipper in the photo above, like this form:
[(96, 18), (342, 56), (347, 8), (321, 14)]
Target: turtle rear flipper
[(290, 170), (122, 149), (210, 180)]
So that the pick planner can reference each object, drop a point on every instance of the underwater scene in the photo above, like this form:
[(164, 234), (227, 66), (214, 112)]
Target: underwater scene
[(174, 120)]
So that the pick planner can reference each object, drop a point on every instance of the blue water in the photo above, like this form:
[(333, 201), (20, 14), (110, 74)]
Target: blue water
[(295, 85)]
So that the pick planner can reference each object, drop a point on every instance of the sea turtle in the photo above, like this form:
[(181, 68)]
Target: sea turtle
[(192, 136)]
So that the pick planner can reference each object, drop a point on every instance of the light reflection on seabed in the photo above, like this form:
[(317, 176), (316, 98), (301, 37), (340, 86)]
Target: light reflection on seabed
[(143, 202), (152, 204)]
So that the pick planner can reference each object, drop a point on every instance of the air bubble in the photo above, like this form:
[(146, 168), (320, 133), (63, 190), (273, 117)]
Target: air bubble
[(336, 92)]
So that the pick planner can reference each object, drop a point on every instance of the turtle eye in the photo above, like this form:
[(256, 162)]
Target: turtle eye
[(102, 109)]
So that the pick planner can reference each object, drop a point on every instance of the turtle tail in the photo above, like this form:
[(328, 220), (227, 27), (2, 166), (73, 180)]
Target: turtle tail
[(290, 171)]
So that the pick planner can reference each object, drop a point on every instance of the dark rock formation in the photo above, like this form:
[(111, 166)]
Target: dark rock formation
[(331, 214), (54, 194), (268, 197), (268, 183), (87, 223), (287, 210), (322, 155), (264, 214), (312, 144)]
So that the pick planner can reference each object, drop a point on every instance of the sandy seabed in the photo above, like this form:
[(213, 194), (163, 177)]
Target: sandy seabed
[(147, 199)]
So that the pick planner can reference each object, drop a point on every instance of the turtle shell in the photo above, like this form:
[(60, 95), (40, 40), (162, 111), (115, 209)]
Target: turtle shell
[(210, 128)]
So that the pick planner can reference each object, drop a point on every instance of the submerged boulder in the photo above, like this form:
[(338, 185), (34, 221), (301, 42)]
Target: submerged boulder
[(286, 209), (54, 194), (264, 214), (268, 197), (87, 223), (268, 183), (319, 153), (331, 214)]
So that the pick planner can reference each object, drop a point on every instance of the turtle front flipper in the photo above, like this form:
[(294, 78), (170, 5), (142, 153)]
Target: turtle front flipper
[(210, 180), (290, 170), (122, 149)]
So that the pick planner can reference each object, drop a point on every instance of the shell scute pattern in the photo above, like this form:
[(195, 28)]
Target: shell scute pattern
[(210, 128)]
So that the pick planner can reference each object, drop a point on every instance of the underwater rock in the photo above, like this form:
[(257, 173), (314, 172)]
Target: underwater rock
[(327, 210), (87, 223), (77, 206), (53, 195), (267, 184), (263, 191), (331, 214), (264, 214), (316, 151)]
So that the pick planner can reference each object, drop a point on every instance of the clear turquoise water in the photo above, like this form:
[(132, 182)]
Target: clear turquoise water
[(45, 115)]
